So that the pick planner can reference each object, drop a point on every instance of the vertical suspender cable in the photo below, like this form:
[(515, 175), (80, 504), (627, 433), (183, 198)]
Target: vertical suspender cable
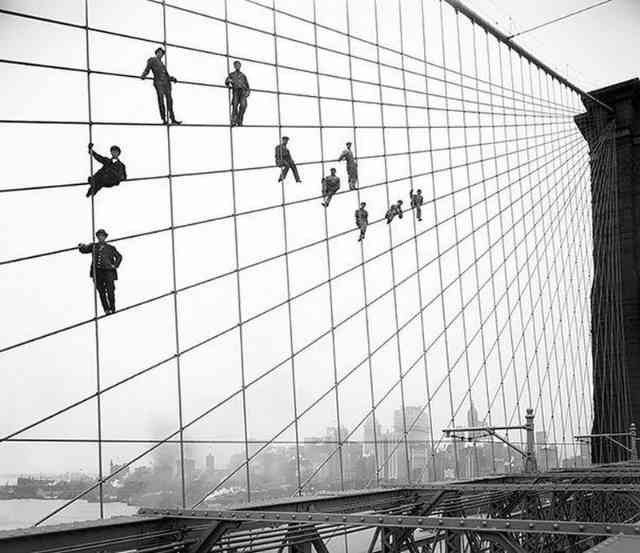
[(456, 236), (286, 259), (237, 273), (328, 251), (423, 33), (393, 271), (496, 178), (93, 262), (415, 241), (173, 273), (362, 261)]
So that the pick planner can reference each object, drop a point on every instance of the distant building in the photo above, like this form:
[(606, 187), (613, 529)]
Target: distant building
[(210, 463), (370, 437), (418, 446)]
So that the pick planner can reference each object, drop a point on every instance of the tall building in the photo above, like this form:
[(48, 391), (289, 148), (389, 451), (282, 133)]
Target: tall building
[(370, 437), (210, 463), (418, 445)]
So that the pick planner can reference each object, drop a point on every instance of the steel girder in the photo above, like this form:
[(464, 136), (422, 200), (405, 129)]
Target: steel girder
[(566, 511)]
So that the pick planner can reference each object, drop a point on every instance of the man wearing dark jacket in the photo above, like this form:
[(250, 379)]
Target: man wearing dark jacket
[(330, 185), (285, 161), (104, 269), (162, 83), (417, 201), (394, 209), (362, 220), (112, 172), (239, 85)]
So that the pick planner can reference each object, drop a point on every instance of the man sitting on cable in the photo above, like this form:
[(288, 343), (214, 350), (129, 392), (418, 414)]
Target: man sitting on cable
[(112, 172)]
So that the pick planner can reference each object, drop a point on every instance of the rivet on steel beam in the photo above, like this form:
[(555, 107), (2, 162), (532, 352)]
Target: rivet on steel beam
[(344, 519), (310, 517), (555, 526), (484, 523), (440, 522), (608, 528), (361, 519), (531, 525), (400, 520), (380, 519), (326, 518), (293, 516), (263, 515), (581, 528), (507, 524), (277, 516), (461, 522)]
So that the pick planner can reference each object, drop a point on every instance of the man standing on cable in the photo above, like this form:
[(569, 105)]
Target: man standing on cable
[(417, 202), (104, 269), (239, 85), (362, 220), (112, 172), (394, 209), (330, 185), (285, 161), (162, 83), (352, 166)]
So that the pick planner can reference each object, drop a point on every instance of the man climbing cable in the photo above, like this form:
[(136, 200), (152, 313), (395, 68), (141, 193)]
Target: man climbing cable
[(284, 160), (112, 172), (330, 185), (417, 201), (394, 209), (104, 269), (362, 220), (352, 166), (239, 85), (162, 83)]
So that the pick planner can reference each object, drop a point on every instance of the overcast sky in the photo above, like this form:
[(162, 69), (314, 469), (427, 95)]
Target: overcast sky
[(52, 291)]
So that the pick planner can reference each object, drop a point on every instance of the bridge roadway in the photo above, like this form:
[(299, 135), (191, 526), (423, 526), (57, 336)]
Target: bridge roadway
[(594, 509)]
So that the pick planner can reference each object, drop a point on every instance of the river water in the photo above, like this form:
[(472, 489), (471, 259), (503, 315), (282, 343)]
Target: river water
[(21, 513)]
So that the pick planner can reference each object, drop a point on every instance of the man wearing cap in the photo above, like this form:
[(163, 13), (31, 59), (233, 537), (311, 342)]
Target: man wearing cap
[(112, 172), (239, 85), (352, 166), (285, 161), (330, 185), (362, 220), (394, 209), (104, 269), (417, 202), (162, 83)]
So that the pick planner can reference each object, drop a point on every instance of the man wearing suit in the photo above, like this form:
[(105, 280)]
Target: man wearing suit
[(104, 269), (362, 220), (352, 166), (330, 185), (394, 209), (112, 172), (162, 83), (239, 85), (417, 201), (285, 161)]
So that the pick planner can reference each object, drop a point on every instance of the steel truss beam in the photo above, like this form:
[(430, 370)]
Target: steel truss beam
[(455, 524), (566, 511)]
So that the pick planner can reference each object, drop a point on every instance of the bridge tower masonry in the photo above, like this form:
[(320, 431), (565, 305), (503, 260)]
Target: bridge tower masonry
[(615, 299)]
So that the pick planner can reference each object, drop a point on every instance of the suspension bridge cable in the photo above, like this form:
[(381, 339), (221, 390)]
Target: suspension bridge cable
[(200, 417), (540, 201), (380, 254), (193, 49), (561, 18)]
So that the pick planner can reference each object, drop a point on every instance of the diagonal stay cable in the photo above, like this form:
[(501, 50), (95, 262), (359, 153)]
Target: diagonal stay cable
[(211, 338), (191, 348)]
